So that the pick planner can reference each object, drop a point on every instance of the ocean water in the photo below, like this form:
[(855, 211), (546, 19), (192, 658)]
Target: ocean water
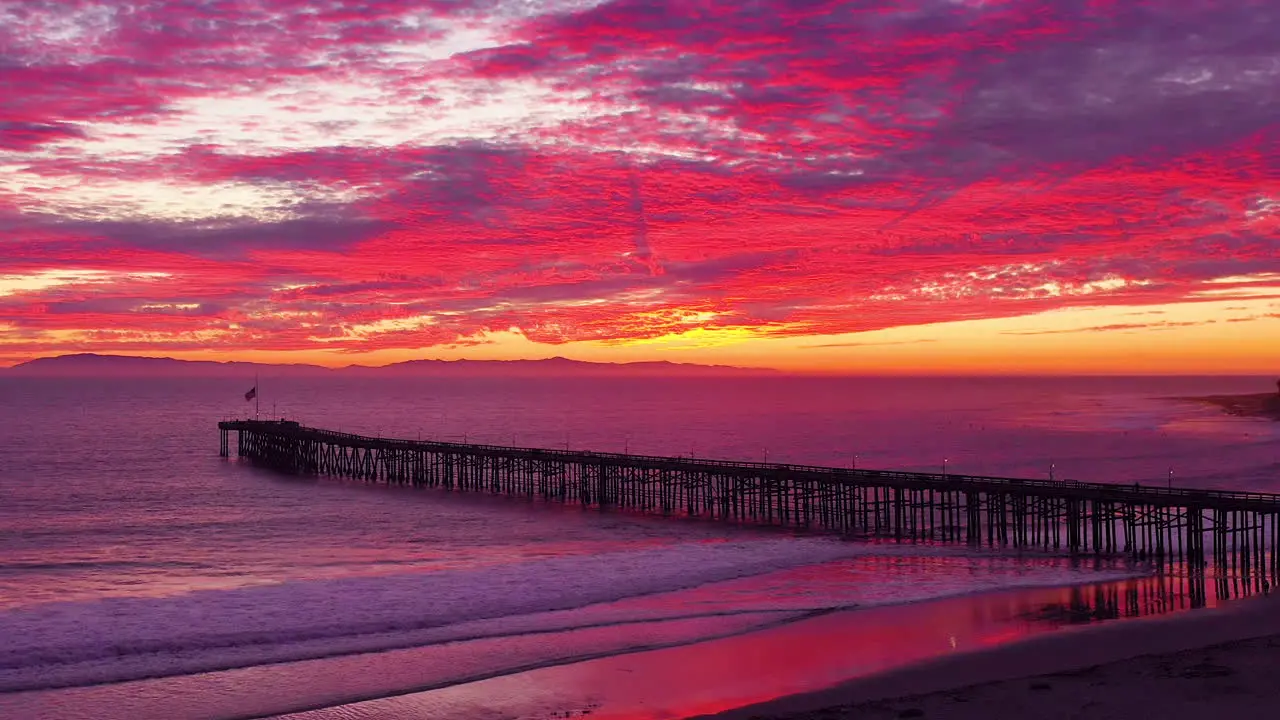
[(136, 566)]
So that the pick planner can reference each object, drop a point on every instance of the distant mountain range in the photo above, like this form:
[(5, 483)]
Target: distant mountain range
[(91, 364)]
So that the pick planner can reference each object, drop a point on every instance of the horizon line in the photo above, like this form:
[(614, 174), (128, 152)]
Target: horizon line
[(731, 369)]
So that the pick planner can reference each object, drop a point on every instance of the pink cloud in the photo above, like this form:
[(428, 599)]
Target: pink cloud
[(804, 168)]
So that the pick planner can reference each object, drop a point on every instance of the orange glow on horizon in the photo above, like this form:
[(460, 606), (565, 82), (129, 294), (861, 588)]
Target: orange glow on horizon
[(1217, 337)]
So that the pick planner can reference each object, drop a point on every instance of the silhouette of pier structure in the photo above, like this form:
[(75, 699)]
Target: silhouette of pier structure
[(1236, 531)]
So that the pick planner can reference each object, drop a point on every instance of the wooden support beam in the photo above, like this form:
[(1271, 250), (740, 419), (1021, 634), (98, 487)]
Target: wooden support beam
[(1165, 526)]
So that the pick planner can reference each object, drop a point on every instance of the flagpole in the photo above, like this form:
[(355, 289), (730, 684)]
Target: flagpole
[(257, 393)]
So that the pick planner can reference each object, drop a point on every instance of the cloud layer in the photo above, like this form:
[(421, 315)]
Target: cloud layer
[(357, 176)]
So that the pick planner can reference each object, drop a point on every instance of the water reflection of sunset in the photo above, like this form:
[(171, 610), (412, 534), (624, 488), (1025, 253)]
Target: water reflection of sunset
[(812, 654)]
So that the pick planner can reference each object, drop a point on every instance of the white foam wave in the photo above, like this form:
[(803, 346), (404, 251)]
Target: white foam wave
[(115, 639), (120, 639)]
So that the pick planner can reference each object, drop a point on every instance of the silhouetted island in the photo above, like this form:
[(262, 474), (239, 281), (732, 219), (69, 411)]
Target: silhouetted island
[(91, 364)]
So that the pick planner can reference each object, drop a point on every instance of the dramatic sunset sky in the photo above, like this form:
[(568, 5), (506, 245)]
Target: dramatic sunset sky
[(903, 185)]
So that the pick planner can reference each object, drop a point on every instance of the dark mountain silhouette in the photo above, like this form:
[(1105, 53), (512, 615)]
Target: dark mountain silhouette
[(91, 364)]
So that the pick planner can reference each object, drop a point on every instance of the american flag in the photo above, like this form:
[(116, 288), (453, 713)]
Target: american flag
[(253, 393)]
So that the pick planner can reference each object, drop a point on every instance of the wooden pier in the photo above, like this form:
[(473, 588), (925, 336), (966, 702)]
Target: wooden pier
[(1235, 531)]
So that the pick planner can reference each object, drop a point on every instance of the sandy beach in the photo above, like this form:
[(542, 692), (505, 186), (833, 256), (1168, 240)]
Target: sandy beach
[(1215, 663)]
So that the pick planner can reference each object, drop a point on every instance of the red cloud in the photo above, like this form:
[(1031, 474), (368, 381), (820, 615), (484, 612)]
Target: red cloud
[(791, 168)]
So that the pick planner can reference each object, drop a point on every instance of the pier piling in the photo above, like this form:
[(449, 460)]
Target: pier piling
[(1239, 531)]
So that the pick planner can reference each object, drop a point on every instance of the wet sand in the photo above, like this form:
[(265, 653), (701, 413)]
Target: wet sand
[(793, 668), (1188, 665), (785, 661), (631, 671)]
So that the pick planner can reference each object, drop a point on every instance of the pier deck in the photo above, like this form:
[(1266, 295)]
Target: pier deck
[(1238, 531)]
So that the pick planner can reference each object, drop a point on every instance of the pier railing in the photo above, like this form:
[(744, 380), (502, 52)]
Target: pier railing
[(1238, 530)]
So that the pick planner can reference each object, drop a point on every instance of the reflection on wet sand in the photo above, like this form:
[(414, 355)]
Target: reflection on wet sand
[(805, 656)]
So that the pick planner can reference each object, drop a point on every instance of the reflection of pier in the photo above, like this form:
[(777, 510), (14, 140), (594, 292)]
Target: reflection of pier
[(1235, 531), (1139, 597), (1180, 589)]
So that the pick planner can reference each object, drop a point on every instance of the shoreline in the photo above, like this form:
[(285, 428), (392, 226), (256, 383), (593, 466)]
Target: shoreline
[(737, 672), (1024, 673), (810, 653), (1265, 406)]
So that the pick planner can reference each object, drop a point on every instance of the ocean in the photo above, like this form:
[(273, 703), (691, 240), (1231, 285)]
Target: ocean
[(143, 576)]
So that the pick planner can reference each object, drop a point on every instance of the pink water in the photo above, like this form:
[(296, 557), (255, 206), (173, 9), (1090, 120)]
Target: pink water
[(129, 550)]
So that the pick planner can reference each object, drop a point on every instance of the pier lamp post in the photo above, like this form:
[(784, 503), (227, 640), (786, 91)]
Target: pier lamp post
[(1051, 466), (1170, 478), (855, 461), (944, 468)]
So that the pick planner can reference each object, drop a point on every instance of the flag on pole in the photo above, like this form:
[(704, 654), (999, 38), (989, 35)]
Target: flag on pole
[(253, 393)]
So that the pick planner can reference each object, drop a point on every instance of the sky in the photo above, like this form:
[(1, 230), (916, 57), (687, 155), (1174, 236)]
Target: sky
[(1006, 186)]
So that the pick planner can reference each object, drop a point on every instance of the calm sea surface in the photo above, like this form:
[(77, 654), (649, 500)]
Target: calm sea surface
[(136, 566)]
